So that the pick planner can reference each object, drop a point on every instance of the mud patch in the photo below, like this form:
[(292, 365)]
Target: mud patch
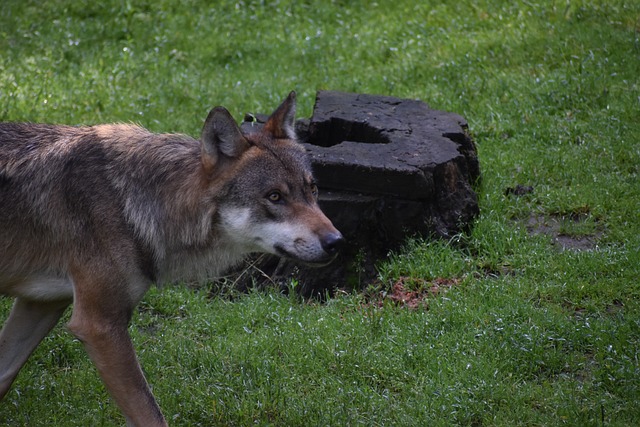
[(518, 190), (567, 231)]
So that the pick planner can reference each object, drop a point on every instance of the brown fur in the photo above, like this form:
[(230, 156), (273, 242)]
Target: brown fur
[(93, 215)]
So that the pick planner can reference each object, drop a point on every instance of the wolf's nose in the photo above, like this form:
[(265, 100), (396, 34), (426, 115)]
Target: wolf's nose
[(332, 242)]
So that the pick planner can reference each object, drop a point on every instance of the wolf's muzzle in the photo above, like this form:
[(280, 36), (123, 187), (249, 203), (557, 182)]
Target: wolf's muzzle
[(332, 242)]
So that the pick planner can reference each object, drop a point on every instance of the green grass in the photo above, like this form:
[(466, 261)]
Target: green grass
[(529, 335)]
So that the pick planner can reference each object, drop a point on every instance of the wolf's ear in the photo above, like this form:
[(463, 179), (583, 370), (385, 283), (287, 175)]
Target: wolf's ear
[(221, 136), (281, 124)]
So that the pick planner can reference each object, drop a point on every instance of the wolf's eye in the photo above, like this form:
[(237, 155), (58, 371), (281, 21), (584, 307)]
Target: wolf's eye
[(275, 196), (314, 190)]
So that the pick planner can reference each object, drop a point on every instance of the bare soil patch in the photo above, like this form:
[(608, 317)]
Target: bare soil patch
[(413, 293), (553, 226)]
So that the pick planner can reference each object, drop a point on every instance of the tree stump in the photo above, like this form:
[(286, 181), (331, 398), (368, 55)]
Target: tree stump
[(387, 168)]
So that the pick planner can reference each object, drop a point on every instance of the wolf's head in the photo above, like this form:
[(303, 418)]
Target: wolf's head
[(268, 201)]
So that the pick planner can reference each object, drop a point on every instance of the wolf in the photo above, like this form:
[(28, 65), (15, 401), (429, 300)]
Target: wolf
[(92, 216)]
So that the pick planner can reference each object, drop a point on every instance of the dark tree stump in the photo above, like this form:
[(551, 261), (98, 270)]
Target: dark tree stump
[(387, 168)]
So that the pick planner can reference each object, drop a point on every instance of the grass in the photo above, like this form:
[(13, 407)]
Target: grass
[(529, 335)]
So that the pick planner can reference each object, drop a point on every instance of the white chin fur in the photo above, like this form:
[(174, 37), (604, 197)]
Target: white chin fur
[(278, 238)]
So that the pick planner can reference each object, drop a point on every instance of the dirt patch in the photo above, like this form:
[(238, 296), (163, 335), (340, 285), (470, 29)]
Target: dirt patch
[(558, 227), (575, 230), (413, 293), (518, 190)]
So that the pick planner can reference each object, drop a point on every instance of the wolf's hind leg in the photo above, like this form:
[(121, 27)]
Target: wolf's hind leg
[(28, 323)]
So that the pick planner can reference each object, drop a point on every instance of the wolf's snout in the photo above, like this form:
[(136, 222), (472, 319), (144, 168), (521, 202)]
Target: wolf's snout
[(332, 242)]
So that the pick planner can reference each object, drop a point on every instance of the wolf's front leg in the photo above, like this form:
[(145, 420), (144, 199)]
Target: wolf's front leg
[(101, 314)]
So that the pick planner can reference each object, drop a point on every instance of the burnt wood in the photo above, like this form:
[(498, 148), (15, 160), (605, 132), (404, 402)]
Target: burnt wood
[(387, 168)]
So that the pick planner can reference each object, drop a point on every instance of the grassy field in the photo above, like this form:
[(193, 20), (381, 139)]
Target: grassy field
[(528, 333)]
